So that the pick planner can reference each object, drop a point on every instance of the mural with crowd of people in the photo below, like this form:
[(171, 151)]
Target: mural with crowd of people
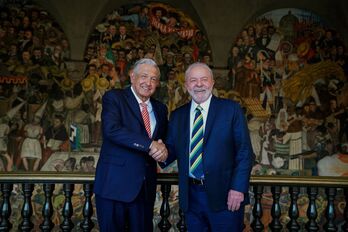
[(49, 105), (290, 65), (37, 122), (287, 69)]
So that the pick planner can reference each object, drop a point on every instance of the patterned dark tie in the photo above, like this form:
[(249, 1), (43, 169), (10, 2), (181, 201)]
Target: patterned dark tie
[(196, 145)]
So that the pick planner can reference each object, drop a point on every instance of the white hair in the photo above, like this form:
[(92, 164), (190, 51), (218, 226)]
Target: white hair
[(198, 64), (144, 61)]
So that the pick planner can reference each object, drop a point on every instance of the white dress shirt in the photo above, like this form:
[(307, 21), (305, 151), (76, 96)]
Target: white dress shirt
[(149, 109)]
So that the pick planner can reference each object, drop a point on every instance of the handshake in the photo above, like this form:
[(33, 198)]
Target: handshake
[(158, 151)]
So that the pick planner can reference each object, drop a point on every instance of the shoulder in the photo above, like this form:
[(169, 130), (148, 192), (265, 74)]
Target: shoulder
[(226, 105), (225, 102), (159, 104), (114, 95), (181, 110), (113, 92)]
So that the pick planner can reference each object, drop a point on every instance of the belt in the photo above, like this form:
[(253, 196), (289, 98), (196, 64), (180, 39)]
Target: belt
[(196, 181)]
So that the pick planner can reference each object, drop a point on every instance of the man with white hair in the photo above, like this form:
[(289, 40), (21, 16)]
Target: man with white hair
[(209, 137)]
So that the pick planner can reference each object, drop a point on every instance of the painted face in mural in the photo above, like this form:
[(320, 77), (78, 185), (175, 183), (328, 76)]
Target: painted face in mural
[(122, 30), (112, 30), (199, 83), (26, 56), (235, 51)]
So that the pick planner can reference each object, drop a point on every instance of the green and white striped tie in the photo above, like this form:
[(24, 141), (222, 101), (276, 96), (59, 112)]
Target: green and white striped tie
[(196, 145)]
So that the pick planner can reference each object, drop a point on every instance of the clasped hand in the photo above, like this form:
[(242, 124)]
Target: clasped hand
[(158, 151)]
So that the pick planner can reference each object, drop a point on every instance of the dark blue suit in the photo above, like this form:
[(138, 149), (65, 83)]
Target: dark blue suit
[(227, 152), (124, 164)]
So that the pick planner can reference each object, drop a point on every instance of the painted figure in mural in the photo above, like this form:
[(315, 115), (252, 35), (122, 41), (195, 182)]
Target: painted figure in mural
[(234, 61), (4, 131), (83, 164), (334, 120), (167, 65), (123, 35), (212, 192), (313, 120), (101, 87), (16, 123), (90, 163), (91, 71), (56, 138), (103, 57), (25, 64), (37, 56), (31, 146), (264, 67), (56, 103), (293, 136), (126, 173), (108, 34), (87, 164), (73, 101), (247, 80), (27, 43), (254, 125), (263, 40), (69, 164), (56, 58), (82, 119), (334, 165), (139, 15), (267, 132)]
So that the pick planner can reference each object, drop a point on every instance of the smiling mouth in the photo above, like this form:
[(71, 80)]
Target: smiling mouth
[(199, 91), (146, 89)]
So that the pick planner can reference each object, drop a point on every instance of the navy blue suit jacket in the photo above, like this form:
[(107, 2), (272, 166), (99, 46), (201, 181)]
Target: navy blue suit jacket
[(124, 162), (227, 151)]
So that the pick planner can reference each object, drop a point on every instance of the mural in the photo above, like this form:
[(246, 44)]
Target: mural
[(50, 105), (33, 56), (287, 68)]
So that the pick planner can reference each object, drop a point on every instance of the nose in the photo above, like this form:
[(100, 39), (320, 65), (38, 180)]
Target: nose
[(199, 82), (147, 81)]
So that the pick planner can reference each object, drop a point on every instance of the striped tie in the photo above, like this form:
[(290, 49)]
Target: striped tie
[(146, 118), (196, 145)]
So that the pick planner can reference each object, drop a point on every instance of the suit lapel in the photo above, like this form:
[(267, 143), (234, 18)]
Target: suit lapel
[(186, 133), (155, 110), (185, 123), (133, 104), (210, 118)]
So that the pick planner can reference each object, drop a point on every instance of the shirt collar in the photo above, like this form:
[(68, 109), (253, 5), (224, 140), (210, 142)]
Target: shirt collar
[(205, 105), (148, 102)]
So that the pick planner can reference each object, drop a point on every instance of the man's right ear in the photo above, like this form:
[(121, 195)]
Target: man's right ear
[(131, 77)]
